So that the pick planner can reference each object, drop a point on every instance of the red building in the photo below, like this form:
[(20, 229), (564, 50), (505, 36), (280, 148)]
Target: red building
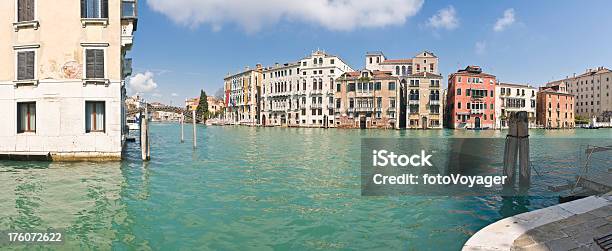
[(471, 99)]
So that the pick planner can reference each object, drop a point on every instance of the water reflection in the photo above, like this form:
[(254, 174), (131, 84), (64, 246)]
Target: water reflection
[(81, 199)]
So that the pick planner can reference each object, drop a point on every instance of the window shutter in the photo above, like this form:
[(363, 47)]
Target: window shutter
[(29, 10), (104, 8), (20, 10), (99, 63), (30, 65), (21, 65), (83, 9), (90, 63)]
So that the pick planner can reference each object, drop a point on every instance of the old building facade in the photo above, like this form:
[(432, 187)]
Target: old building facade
[(366, 99), (423, 94), (422, 71), (62, 84), (242, 96), (471, 99), (591, 91), (319, 72), (555, 107), (302, 93), (422, 62), (510, 98), (280, 102)]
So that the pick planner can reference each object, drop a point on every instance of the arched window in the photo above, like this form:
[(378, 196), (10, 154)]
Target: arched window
[(320, 84), (320, 60), (331, 83), (403, 70), (397, 70)]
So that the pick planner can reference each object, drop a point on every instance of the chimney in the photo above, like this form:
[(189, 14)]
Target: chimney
[(258, 66)]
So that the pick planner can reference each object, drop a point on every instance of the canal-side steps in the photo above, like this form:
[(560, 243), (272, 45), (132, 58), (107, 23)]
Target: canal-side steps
[(567, 226)]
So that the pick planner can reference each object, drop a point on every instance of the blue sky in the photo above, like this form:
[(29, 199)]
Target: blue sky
[(183, 46)]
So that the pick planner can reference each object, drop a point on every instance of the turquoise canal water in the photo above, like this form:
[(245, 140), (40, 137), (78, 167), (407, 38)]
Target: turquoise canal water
[(251, 189)]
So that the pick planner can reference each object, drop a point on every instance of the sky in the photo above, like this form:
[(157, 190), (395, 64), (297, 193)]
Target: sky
[(184, 46)]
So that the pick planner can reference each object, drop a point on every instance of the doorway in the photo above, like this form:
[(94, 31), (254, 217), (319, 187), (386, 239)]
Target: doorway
[(362, 122), (477, 123)]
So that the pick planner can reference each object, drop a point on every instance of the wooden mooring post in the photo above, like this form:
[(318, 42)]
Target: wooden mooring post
[(182, 127), (144, 136), (517, 147), (193, 116)]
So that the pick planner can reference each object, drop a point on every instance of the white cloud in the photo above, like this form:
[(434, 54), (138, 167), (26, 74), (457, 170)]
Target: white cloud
[(143, 82), (505, 21), (174, 94), (481, 47), (445, 19), (254, 15)]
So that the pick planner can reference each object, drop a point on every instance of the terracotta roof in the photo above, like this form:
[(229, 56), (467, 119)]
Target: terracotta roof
[(553, 91), (425, 75), (600, 70), (517, 85), (397, 61)]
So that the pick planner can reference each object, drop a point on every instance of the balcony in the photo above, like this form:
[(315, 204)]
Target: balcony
[(477, 111), (413, 102), (364, 109), (129, 22), (315, 105), (434, 102)]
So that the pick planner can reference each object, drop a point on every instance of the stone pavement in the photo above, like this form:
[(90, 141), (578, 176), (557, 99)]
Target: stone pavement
[(573, 233), (567, 226)]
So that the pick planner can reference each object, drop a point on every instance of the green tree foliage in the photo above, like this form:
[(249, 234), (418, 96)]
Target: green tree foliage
[(581, 120), (203, 105)]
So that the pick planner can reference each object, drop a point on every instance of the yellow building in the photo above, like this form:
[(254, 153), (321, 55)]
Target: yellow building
[(62, 71)]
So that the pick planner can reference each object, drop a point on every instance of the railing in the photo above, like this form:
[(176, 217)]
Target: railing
[(434, 102), (315, 105), (476, 111), (364, 109), (413, 102)]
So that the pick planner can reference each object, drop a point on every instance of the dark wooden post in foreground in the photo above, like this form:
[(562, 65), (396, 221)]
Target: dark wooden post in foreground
[(517, 147)]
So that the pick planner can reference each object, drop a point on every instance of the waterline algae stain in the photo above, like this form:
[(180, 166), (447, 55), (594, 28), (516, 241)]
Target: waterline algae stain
[(253, 188)]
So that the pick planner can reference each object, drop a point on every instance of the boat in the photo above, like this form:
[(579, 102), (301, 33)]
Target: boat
[(133, 123)]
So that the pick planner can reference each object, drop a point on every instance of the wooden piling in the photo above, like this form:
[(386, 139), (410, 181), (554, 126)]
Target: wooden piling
[(144, 136), (523, 144), (193, 116), (517, 147), (510, 151), (182, 127)]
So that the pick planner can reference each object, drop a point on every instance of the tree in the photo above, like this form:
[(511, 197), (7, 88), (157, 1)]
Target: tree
[(578, 120), (202, 109)]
